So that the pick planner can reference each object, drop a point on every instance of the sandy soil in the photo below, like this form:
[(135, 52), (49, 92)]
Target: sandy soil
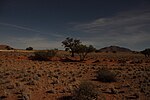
[(24, 79)]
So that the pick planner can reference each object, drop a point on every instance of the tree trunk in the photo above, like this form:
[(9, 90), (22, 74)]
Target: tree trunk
[(72, 54)]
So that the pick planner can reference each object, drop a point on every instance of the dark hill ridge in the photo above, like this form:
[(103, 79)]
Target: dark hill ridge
[(114, 49), (5, 47)]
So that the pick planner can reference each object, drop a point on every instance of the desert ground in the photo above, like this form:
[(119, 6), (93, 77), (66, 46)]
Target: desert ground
[(25, 79)]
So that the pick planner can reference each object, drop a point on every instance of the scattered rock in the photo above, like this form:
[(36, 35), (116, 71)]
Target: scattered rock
[(10, 87), (31, 82), (111, 91), (96, 61), (2, 97), (50, 91), (24, 96)]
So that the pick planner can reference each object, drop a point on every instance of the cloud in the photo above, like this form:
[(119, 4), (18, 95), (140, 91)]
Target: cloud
[(20, 27), (30, 30), (35, 42), (127, 28), (22, 37)]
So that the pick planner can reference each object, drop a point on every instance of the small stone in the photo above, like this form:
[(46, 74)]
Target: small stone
[(10, 86), (134, 96), (113, 91), (24, 96), (50, 91), (3, 97), (107, 91), (30, 83), (121, 92)]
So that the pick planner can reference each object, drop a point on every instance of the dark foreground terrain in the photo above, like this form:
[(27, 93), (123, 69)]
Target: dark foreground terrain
[(24, 79)]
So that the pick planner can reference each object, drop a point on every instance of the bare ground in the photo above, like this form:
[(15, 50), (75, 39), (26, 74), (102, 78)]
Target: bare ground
[(24, 79)]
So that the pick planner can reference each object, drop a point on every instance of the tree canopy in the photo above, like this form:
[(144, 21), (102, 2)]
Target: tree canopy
[(71, 44), (75, 46)]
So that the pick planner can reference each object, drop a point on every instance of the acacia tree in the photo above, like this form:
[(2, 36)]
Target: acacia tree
[(71, 44), (83, 50)]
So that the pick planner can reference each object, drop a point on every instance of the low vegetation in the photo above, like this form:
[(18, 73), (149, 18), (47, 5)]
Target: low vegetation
[(71, 44), (29, 48), (146, 52), (43, 55), (75, 46), (85, 91), (8, 48), (83, 50), (105, 75), (123, 75)]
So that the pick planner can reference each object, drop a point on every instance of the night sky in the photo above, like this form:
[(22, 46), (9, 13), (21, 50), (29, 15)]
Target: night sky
[(44, 24)]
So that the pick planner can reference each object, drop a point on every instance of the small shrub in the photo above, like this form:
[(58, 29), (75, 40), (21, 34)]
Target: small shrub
[(29, 48), (83, 50), (114, 51), (85, 91), (98, 51), (104, 75), (43, 55), (146, 52), (8, 48), (65, 98)]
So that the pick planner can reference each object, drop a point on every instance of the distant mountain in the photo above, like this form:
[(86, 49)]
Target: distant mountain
[(5, 47), (114, 49)]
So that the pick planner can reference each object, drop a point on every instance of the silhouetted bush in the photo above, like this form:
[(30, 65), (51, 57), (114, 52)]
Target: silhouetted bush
[(75, 46), (104, 75), (8, 48), (146, 52), (83, 50), (43, 55), (114, 51), (97, 51), (29, 48), (71, 44), (65, 98), (85, 91)]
